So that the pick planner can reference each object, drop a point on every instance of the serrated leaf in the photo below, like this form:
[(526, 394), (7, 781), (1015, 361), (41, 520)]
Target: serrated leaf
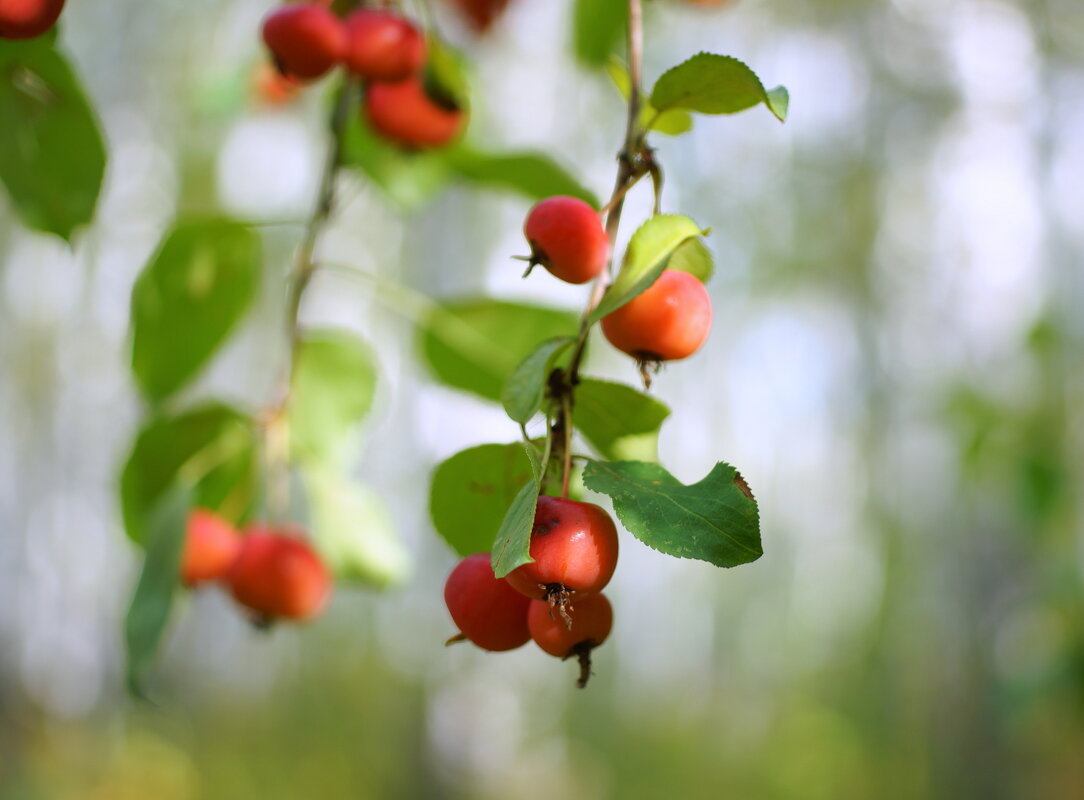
[(713, 84), (694, 257), (617, 420), (333, 386), (474, 345), (533, 175), (52, 157), (149, 611), (597, 28), (512, 547), (673, 123), (715, 520), (212, 448), (188, 299), (526, 387), (645, 258), (471, 491), (409, 179), (352, 529), (445, 75)]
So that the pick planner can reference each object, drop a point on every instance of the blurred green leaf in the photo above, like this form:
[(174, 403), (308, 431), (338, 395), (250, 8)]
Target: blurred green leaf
[(333, 386), (672, 123), (533, 175), (212, 448), (512, 547), (619, 421), (526, 387), (188, 299), (52, 157), (353, 530), (694, 257), (445, 75), (714, 84), (409, 179), (597, 28), (475, 345), (645, 258), (152, 600), (471, 491), (715, 520)]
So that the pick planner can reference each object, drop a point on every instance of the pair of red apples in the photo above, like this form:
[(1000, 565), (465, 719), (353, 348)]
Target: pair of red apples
[(27, 19), (269, 570), (667, 322), (555, 600), (380, 47)]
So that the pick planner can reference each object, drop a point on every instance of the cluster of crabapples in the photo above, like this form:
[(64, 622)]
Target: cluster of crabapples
[(378, 46), (28, 19), (667, 322), (555, 599), (269, 570)]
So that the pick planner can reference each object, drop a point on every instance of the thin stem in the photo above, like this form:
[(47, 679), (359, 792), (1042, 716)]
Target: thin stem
[(566, 409)]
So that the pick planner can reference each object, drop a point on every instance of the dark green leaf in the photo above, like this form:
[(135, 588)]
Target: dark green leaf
[(532, 175), (526, 387), (512, 547), (597, 28), (475, 345), (152, 601), (715, 520), (188, 299), (471, 492), (353, 530), (52, 157), (694, 257), (212, 448), (645, 258), (333, 385), (409, 178), (714, 84), (618, 421)]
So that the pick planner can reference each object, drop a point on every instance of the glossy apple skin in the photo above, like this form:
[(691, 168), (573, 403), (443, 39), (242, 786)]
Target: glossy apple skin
[(211, 546), (567, 238), (27, 19), (305, 39), (592, 620), (668, 322), (382, 46), (488, 611), (573, 545), (404, 113), (277, 575)]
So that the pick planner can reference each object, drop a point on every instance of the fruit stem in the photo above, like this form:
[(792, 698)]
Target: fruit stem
[(582, 651)]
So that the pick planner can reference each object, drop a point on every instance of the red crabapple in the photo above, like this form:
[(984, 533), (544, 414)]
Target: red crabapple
[(210, 547), (488, 611), (404, 113), (278, 575), (26, 19), (481, 14), (382, 46), (305, 39), (592, 619), (669, 321), (567, 238)]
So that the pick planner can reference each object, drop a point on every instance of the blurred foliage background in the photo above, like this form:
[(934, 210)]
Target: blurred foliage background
[(896, 367)]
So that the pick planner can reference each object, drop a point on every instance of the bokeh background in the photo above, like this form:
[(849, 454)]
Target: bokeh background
[(896, 366)]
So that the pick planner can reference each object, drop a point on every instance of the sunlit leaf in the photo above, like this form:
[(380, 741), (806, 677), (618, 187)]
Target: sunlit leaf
[(712, 84), (597, 28), (673, 123), (694, 257), (617, 420)]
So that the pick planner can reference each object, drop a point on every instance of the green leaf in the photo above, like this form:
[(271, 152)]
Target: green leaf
[(533, 175), (617, 420), (152, 600), (597, 28), (714, 84), (645, 259), (333, 386), (513, 545), (212, 447), (471, 491), (475, 345), (715, 520), (188, 299), (523, 393), (445, 75), (672, 123), (694, 257), (352, 529), (409, 179), (52, 157)]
